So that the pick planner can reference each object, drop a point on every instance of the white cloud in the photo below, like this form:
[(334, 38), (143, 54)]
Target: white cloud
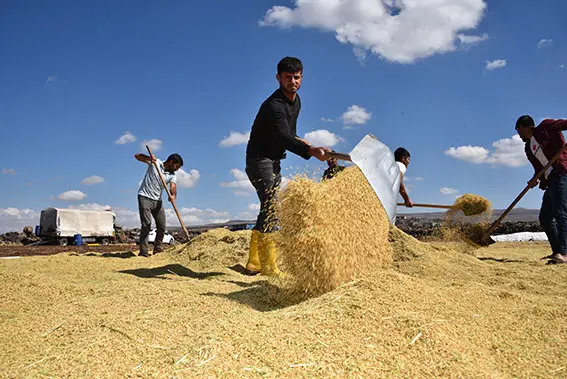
[(322, 137), (507, 152), (408, 179), (495, 64), (400, 31), (325, 119), (467, 40), (235, 138), (561, 66), (187, 179), (195, 216), (241, 181), (51, 79), (348, 127), (473, 154), (254, 207), (88, 181), (154, 144), (448, 191), (14, 219), (72, 195), (126, 138), (544, 43), (356, 115), (243, 193), (8, 171)]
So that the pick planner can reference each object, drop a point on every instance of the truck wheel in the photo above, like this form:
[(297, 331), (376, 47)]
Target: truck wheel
[(63, 242), (104, 242)]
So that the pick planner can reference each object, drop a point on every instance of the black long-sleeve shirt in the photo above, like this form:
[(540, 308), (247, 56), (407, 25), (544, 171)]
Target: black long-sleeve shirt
[(274, 129)]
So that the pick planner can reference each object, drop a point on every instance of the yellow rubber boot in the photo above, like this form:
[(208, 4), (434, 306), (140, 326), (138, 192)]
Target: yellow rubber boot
[(253, 258), (268, 255)]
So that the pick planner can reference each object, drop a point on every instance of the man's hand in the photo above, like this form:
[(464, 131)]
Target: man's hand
[(171, 199), (533, 182), (319, 152), (408, 203)]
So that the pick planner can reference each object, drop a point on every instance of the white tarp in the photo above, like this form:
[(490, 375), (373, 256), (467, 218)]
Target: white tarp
[(62, 222), (521, 237)]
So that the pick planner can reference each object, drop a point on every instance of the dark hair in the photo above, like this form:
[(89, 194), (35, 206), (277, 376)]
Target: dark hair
[(291, 65), (401, 153), (525, 120), (175, 159)]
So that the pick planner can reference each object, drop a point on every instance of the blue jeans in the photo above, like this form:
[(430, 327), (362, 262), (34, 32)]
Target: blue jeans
[(265, 176), (553, 213)]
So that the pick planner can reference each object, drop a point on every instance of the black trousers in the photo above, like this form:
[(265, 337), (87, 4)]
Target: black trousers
[(265, 176)]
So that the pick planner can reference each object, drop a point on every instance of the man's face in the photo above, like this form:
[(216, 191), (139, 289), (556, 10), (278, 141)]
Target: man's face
[(406, 161), (290, 82), (525, 133), (171, 167)]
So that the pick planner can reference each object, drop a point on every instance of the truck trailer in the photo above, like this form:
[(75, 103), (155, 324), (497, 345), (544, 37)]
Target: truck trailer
[(63, 224)]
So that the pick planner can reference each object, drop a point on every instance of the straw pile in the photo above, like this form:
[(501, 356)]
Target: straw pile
[(216, 247), (332, 231)]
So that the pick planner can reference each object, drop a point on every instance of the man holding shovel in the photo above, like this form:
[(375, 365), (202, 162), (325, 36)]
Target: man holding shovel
[(149, 197), (402, 157), (273, 133), (542, 143)]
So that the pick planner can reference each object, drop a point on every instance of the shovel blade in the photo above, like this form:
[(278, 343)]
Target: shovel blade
[(378, 165)]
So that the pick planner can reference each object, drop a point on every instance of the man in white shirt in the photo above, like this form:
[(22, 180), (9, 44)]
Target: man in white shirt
[(149, 197), (402, 157)]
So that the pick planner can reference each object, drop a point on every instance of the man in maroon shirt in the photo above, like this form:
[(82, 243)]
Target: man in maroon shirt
[(542, 143)]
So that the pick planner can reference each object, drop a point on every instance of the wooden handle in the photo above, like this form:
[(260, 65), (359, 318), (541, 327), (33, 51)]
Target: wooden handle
[(429, 205), (341, 156), (168, 193), (524, 191)]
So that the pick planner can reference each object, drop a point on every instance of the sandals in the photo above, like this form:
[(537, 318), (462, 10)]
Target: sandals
[(557, 259)]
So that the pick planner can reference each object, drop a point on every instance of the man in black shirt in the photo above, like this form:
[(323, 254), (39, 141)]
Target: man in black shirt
[(273, 133)]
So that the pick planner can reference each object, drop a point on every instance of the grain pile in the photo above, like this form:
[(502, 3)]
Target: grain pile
[(331, 232), (216, 247), (470, 229)]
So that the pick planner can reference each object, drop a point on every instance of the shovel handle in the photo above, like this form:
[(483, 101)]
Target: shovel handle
[(429, 205), (168, 194), (341, 156), (524, 191)]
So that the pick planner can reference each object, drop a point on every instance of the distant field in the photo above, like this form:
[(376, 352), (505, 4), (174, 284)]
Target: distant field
[(439, 311)]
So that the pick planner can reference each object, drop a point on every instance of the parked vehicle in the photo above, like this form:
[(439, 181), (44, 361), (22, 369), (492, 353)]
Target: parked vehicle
[(167, 238), (62, 225)]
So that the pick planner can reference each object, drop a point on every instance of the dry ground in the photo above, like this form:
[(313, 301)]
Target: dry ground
[(435, 313)]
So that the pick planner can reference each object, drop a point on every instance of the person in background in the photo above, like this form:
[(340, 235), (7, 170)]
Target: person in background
[(149, 197), (402, 157)]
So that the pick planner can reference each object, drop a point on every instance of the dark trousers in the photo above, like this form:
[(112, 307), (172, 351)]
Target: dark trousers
[(149, 208), (265, 176), (553, 213)]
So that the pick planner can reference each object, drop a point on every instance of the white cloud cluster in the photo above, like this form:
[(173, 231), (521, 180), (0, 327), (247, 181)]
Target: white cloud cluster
[(240, 182), (187, 179), (544, 43), (235, 138), (195, 216), (356, 115), (448, 191), (125, 138), (8, 171), (14, 219), (400, 31), (72, 195), (495, 64), (507, 152), (322, 137), (90, 180), (254, 207), (154, 144), (90, 207)]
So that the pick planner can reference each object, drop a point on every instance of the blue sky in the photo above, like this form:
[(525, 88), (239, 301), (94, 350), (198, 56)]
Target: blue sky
[(75, 78)]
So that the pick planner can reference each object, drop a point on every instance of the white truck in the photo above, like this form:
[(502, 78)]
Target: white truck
[(63, 224)]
